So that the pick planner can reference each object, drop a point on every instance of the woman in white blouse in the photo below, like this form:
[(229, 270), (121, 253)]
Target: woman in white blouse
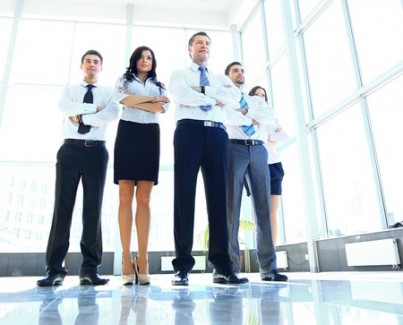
[(276, 136), (137, 153)]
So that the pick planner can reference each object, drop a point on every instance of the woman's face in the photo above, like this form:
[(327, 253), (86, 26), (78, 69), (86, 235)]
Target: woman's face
[(260, 92), (145, 63)]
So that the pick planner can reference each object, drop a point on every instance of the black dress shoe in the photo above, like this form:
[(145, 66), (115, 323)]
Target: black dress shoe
[(274, 276), (228, 278), (51, 279), (181, 278), (92, 279)]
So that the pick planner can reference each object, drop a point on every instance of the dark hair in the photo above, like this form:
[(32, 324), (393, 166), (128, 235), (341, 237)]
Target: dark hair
[(252, 92), (92, 52), (192, 39), (228, 68), (132, 68)]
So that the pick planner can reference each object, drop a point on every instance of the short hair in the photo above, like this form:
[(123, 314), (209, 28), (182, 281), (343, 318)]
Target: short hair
[(229, 66), (92, 52), (192, 39)]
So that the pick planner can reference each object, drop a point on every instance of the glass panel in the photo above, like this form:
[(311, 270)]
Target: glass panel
[(330, 70), (348, 179), (5, 27), (379, 43), (30, 129), (294, 223), (110, 41), (385, 108), (282, 95), (274, 26), (306, 7), (7, 8), (44, 59), (254, 57)]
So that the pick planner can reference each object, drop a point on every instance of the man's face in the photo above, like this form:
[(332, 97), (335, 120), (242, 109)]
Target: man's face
[(236, 74), (91, 65), (200, 49)]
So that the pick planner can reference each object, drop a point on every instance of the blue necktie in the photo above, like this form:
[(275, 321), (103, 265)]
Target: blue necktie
[(204, 82), (248, 129), (88, 98)]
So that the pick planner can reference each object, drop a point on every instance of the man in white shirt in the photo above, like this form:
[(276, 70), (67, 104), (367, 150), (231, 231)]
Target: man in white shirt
[(246, 120), (201, 142), (87, 109)]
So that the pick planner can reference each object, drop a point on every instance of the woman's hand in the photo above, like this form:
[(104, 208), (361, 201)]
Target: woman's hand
[(161, 99)]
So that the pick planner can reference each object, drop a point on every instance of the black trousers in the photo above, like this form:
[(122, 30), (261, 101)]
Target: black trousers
[(198, 147), (75, 162)]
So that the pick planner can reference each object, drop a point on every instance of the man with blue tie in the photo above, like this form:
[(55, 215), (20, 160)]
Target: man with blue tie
[(247, 158), (87, 108), (201, 143)]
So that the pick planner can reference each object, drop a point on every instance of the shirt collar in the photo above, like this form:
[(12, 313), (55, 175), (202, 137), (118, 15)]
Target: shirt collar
[(85, 84), (194, 67)]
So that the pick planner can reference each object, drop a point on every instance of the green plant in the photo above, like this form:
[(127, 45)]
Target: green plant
[(245, 225)]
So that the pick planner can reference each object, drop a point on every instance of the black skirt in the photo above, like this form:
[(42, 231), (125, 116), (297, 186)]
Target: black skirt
[(137, 152)]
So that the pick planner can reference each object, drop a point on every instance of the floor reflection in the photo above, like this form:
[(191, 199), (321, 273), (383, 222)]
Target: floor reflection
[(323, 298)]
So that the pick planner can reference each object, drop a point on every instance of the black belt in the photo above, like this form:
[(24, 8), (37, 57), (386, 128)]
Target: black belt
[(85, 143), (247, 142), (210, 124)]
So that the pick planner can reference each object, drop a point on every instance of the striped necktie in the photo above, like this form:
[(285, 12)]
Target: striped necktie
[(204, 82), (248, 129), (88, 98)]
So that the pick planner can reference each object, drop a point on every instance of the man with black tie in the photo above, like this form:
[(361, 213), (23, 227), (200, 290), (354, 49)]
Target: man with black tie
[(201, 142), (87, 109)]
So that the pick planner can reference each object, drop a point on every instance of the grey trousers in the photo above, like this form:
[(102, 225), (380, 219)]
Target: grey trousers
[(250, 162)]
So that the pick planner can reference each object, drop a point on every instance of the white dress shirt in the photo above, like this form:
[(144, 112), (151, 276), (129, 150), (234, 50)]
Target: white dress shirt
[(258, 111), (278, 137), (188, 101), (71, 104), (137, 87)]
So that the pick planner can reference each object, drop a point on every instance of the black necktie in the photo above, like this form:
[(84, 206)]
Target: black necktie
[(88, 98)]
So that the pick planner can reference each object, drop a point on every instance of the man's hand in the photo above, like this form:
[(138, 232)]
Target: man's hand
[(243, 111), (74, 119)]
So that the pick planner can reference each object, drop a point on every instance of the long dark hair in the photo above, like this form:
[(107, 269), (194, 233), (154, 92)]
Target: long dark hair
[(132, 68), (253, 91)]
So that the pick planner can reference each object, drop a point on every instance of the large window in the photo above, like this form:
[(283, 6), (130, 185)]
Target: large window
[(31, 125)]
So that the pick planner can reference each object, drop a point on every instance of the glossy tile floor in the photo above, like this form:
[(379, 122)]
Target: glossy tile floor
[(308, 298)]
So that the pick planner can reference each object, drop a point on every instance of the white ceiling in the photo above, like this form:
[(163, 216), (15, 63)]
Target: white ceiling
[(219, 6), (221, 13)]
